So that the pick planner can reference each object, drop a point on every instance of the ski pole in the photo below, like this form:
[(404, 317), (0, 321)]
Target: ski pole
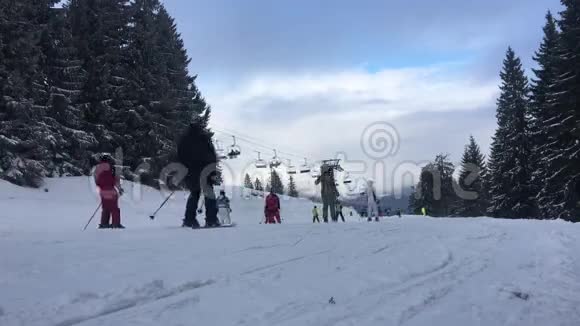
[(95, 213), (162, 204)]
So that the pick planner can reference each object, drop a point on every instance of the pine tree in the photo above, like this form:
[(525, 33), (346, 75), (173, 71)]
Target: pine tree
[(99, 33), (413, 206), (258, 185), (275, 184), (472, 201), (25, 140), (511, 193), (292, 191), (435, 191), (248, 182), (541, 114), (65, 81), (560, 195)]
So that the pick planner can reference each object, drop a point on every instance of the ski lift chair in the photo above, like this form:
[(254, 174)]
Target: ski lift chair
[(260, 163), (275, 161), (221, 154), (234, 150), (305, 168), (291, 168), (347, 180)]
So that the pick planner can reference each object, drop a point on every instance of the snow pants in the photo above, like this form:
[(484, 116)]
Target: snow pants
[(224, 215), (110, 207), (273, 217), (325, 208), (191, 210), (372, 209)]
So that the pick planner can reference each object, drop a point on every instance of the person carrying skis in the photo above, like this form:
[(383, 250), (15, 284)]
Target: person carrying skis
[(315, 215), (109, 187), (272, 209), (196, 152), (224, 209)]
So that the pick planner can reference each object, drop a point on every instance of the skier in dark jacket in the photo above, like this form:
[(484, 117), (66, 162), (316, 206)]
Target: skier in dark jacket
[(196, 152)]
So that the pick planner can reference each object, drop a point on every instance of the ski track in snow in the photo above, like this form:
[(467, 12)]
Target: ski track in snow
[(158, 293), (410, 271)]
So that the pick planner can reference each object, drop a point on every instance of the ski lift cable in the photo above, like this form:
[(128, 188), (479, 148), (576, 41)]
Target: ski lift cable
[(260, 143), (248, 137), (261, 148)]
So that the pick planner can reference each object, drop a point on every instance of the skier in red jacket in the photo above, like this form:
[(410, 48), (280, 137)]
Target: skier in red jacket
[(109, 186), (272, 209)]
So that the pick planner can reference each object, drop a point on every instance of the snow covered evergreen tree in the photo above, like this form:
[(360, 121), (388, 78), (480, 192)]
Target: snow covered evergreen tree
[(25, 140), (258, 185), (94, 76), (248, 182), (472, 182), (275, 183), (435, 190), (541, 114), (560, 195), (511, 193), (292, 191)]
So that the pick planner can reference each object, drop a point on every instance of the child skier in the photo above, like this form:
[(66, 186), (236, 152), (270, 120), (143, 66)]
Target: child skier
[(339, 212), (109, 186), (272, 209), (315, 215), (224, 209)]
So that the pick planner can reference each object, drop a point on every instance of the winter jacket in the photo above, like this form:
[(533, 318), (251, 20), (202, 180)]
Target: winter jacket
[(315, 212), (272, 203), (196, 152), (223, 202), (105, 176)]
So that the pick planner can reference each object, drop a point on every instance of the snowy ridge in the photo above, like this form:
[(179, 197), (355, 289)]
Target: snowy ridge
[(408, 271)]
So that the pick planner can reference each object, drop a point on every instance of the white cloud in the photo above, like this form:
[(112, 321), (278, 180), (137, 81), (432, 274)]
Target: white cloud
[(434, 110)]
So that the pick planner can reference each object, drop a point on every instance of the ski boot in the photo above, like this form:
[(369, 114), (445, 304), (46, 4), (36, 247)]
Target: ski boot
[(117, 226), (104, 226)]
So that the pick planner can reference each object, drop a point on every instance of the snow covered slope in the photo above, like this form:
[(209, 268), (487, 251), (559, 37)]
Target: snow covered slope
[(409, 271)]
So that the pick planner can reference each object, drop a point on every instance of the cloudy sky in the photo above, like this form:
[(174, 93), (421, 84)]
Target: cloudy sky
[(326, 78)]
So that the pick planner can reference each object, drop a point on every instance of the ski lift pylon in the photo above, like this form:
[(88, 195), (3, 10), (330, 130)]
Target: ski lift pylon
[(260, 163), (234, 150)]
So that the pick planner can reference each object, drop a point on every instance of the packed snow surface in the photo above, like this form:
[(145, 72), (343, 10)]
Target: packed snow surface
[(408, 271)]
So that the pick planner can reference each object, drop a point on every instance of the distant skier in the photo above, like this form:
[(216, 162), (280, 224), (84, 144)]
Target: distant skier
[(109, 185), (372, 202), (399, 212), (339, 212), (272, 209), (196, 152), (224, 209), (315, 215), (424, 211)]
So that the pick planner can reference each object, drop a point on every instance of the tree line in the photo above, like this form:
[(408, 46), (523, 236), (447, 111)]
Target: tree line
[(274, 184), (533, 170), (93, 76)]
